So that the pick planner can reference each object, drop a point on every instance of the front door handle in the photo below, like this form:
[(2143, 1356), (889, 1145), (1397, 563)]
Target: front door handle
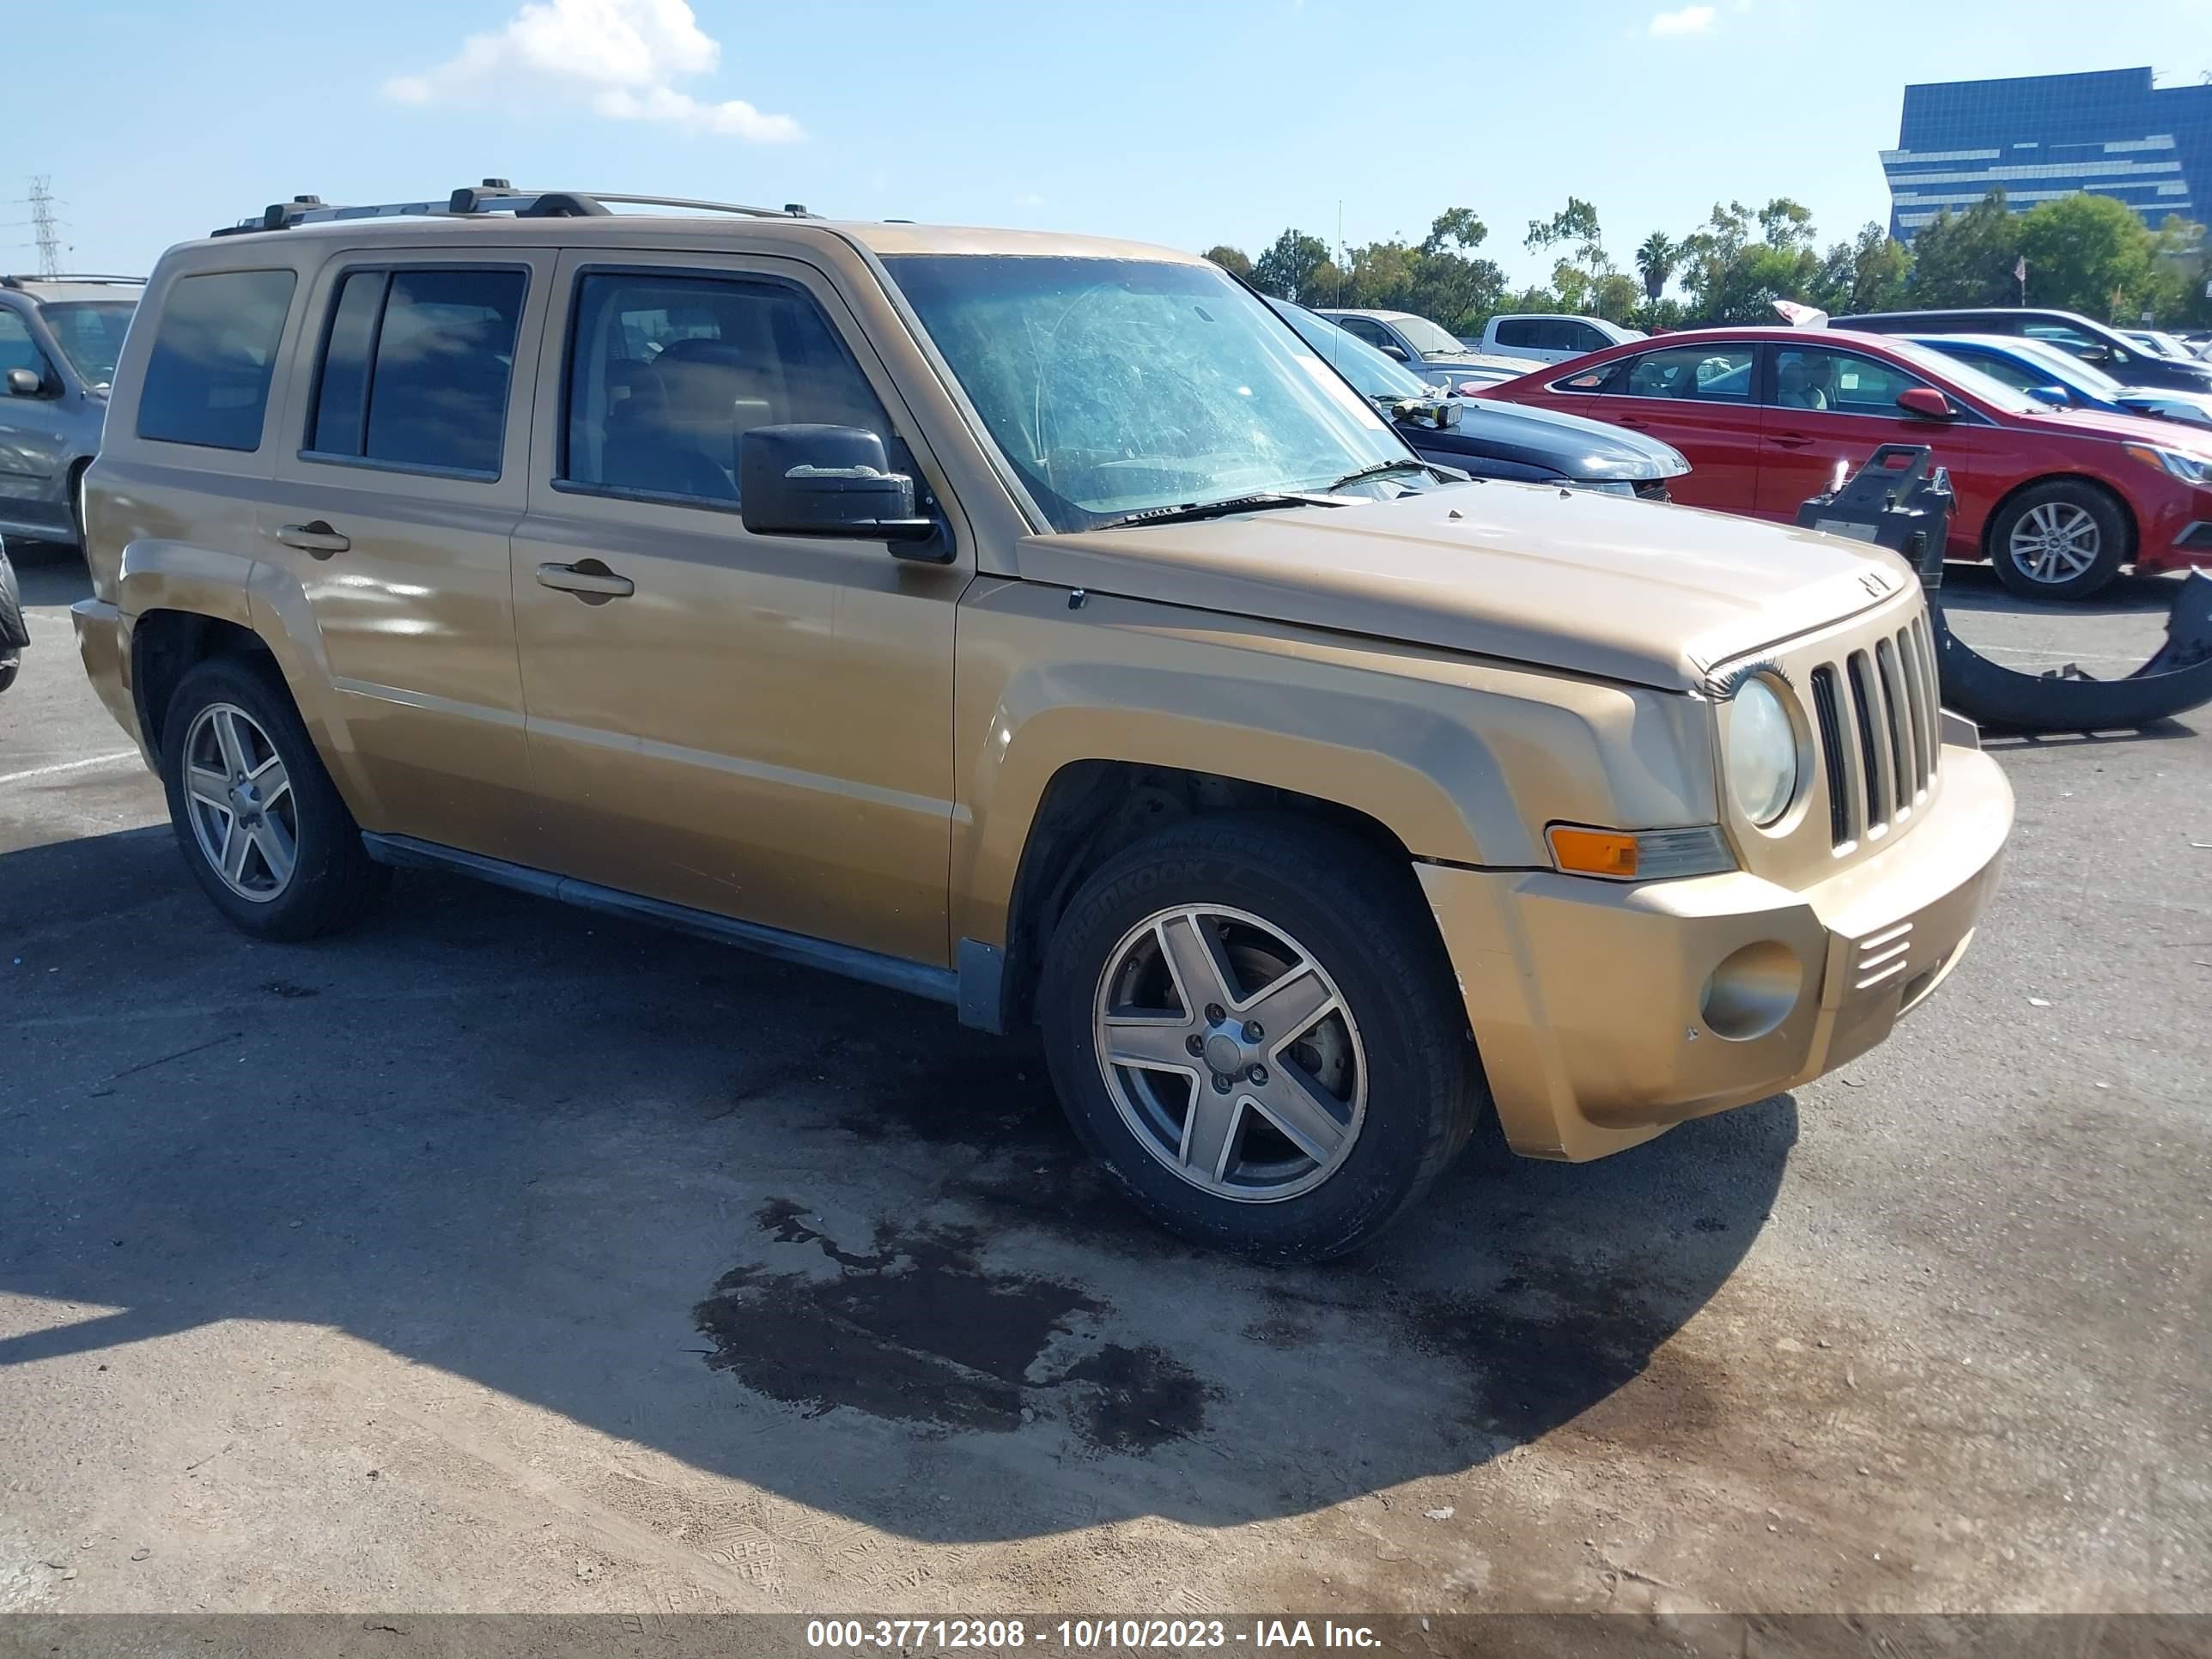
[(315, 536), (588, 579), (1791, 440), (1629, 420)]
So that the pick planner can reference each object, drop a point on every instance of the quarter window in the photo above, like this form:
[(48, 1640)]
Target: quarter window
[(416, 367), (1838, 382), (206, 378), (667, 374), (1702, 374)]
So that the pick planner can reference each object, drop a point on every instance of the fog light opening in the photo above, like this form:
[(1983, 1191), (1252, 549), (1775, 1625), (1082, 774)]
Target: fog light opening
[(1752, 991)]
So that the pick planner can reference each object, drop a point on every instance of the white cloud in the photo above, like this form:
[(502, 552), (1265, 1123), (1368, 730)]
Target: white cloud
[(1691, 19), (619, 58)]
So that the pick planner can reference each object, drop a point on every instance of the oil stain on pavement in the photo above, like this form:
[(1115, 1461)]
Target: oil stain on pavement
[(914, 1328)]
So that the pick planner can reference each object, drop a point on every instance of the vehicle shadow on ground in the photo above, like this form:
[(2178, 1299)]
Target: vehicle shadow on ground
[(805, 1234)]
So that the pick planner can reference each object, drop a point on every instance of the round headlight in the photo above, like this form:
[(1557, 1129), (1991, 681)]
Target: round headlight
[(1762, 754)]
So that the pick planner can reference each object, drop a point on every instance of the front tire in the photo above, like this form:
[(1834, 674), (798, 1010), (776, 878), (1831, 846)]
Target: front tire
[(1251, 1024), (2060, 540), (260, 823)]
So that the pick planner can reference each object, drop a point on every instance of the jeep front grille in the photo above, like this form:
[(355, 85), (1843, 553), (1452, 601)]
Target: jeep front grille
[(1877, 719)]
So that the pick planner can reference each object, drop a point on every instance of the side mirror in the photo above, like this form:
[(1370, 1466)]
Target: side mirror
[(24, 383), (2054, 395), (1396, 353), (1927, 402), (824, 481), (2096, 354)]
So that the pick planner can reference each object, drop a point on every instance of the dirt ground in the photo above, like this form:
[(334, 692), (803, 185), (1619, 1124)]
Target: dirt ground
[(499, 1257)]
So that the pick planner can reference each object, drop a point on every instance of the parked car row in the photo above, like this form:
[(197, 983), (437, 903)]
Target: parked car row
[(2059, 499)]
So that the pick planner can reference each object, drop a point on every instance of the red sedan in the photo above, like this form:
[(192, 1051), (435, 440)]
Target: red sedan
[(2058, 498)]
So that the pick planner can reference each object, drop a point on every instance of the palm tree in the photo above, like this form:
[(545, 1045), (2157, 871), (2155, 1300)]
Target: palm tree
[(1655, 263)]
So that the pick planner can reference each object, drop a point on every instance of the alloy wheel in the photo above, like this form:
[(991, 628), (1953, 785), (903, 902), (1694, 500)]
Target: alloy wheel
[(2054, 542), (244, 817), (1230, 1054)]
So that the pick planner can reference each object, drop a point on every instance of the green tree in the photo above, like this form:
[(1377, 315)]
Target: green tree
[(1577, 276), (1455, 227), (1234, 260), (1967, 258), (1865, 274), (1290, 269), (2090, 254), (1655, 258), (1731, 278)]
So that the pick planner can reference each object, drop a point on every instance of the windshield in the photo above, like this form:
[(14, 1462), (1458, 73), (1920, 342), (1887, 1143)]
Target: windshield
[(90, 334), (1948, 370), (2067, 370), (1427, 339), (1376, 375), (1115, 386)]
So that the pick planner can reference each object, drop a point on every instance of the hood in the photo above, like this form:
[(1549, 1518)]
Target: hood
[(1597, 584), (2193, 407), (2182, 435), (1589, 451)]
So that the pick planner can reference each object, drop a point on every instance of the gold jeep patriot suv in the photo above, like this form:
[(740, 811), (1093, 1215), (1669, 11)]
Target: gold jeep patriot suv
[(1036, 624)]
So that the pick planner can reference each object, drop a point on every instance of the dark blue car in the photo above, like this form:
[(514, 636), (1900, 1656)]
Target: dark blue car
[(1488, 439)]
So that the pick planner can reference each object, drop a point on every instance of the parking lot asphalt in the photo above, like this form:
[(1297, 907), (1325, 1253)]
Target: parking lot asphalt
[(500, 1256)]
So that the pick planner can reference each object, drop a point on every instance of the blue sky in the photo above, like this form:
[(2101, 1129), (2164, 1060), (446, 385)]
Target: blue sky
[(1212, 121)]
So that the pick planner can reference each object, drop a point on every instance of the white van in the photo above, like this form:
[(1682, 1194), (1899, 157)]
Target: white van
[(1553, 339)]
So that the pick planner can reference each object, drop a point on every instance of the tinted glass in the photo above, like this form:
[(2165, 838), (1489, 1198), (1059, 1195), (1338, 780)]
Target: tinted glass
[(342, 392), (90, 334), (1838, 382), (445, 357), (1705, 374), (1425, 338), (1365, 328), (1113, 387), (666, 373), (206, 378), (16, 351)]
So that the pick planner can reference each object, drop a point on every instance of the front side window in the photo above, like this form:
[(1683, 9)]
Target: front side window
[(416, 367), (1838, 382), (215, 349), (17, 349), (1114, 386), (90, 334), (667, 373), (1701, 373), (1367, 329)]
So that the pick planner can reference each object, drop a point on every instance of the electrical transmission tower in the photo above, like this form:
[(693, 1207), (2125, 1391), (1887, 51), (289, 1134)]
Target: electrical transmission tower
[(46, 229)]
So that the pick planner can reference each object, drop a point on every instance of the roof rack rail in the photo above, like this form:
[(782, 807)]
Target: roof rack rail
[(18, 280), (492, 195)]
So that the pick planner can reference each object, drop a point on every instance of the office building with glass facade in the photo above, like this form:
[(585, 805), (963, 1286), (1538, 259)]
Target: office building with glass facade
[(2045, 136)]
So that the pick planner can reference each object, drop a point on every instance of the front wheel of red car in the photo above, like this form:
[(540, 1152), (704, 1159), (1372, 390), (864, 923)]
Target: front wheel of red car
[(2060, 540)]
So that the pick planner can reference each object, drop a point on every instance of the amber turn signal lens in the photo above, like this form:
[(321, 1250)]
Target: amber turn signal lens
[(1594, 852)]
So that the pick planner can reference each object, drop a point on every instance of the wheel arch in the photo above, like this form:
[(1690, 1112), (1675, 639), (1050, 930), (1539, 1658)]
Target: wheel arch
[(166, 645), (1092, 809)]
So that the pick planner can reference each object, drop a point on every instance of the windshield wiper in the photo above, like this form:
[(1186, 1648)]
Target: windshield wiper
[(1257, 502), (1379, 469)]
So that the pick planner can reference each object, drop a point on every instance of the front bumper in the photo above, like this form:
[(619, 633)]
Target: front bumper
[(1589, 999)]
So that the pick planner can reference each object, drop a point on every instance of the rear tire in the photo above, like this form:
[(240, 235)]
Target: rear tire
[(260, 823), (2061, 541), (1295, 1143)]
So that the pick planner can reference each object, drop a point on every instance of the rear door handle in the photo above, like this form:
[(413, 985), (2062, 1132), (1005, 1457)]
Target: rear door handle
[(1790, 439), (315, 536), (590, 578)]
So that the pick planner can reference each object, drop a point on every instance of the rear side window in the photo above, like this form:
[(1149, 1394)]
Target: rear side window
[(417, 368), (1704, 374), (1518, 332), (667, 373), (207, 378)]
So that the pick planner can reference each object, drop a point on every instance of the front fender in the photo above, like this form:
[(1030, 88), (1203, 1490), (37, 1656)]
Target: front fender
[(1463, 762)]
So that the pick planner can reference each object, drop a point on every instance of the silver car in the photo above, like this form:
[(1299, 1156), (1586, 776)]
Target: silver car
[(59, 340)]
